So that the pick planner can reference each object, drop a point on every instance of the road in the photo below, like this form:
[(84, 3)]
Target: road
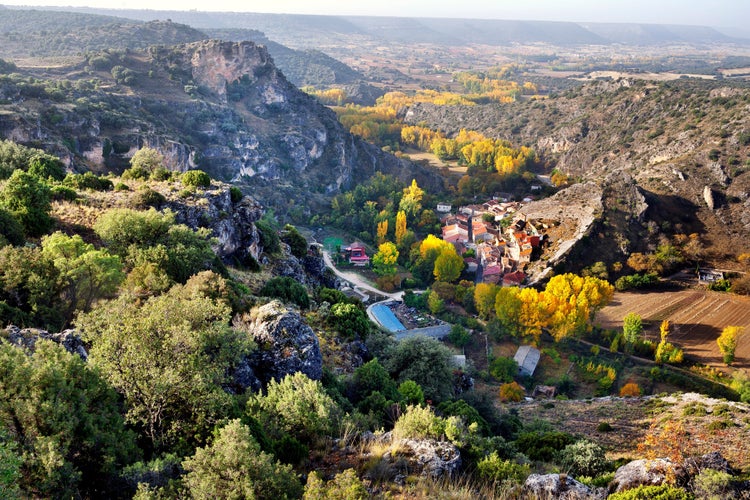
[(357, 281)]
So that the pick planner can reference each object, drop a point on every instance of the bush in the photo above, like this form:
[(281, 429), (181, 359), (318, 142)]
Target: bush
[(419, 422), (160, 174), (644, 280), (630, 390), (28, 200), (88, 181), (196, 178), (543, 446), (147, 197), (269, 240), (511, 392), (63, 193), (583, 458), (411, 392), (344, 486), (604, 427), (349, 320), (235, 194), (661, 492), (286, 289), (504, 369), (713, 484), (233, 466), (427, 362), (493, 468), (297, 243), (370, 377), (46, 167), (10, 228)]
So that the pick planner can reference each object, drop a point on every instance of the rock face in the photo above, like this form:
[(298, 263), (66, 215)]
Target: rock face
[(231, 223), (310, 269), (423, 457), (27, 338), (286, 344), (559, 486)]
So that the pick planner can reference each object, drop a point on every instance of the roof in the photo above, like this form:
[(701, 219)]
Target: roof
[(527, 358)]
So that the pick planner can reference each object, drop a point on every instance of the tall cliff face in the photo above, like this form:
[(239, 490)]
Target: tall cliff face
[(220, 106)]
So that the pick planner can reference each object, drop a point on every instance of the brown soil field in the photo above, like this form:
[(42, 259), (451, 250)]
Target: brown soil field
[(697, 319)]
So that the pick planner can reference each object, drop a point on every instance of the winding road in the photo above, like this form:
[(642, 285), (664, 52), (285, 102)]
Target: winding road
[(357, 281)]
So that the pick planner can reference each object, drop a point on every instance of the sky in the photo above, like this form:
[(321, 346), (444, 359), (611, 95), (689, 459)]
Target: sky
[(718, 13)]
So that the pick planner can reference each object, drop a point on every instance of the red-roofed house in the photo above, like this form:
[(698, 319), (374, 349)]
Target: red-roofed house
[(514, 279), (357, 254)]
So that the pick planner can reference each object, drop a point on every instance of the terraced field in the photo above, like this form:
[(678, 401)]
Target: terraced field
[(697, 319)]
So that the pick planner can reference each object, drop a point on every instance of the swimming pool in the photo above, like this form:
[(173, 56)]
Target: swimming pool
[(386, 318)]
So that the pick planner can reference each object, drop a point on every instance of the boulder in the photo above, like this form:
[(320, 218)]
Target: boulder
[(559, 487), (714, 460), (646, 472), (422, 457), (286, 344), (27, 337)]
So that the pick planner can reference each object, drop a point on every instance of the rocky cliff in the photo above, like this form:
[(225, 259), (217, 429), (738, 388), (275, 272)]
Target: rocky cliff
[(220, 106)]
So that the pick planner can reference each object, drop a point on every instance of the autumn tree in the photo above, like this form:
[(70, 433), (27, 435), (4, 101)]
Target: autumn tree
[(382, 231), (448, 265), (411, 201), (511, 392), (385, 261), (484, 298), (508, 310), (727, 342), (400, 228), (575, 301), (666, 352)]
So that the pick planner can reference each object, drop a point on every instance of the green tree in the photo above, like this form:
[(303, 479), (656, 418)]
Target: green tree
[(448, 265), (286, 289), (411, 392), (233, 466), (727, 342), (66, 422), (145, 161), (297, 243), (297, 406), (370, 377), (11, 231), (632, 327), (196, 178), (349, 320), (504, 369), (28, 200), (344, 486), (29, 288), (168, 357), (86, 274), (427, 362), (459, 336), (384, 262), (434, 302), (10, 467)]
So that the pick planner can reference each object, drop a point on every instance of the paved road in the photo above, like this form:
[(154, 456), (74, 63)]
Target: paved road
[(357, 280)]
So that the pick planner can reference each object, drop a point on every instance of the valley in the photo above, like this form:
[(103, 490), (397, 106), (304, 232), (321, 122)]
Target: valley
[(186, 198)]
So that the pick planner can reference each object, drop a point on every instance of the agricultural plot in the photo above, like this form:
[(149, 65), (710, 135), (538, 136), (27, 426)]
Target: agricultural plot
[(697, 318)]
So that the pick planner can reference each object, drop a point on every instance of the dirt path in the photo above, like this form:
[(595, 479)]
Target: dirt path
[(357, 281)]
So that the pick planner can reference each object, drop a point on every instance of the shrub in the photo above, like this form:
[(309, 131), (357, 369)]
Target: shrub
[(583, 458), (147, 197), (630, 390), (235, 194), (468, 413), (419, 422), (661, 492), (297, 243), (349, 320), (10, 228), (344, 486), (88, 181), (370, 377), (121, 186), (712, 484), (233, 466), (297, 406), (493, 468), (286, 289), (269, 240), (46, 167), (543, 446), (458, 336), (28, 200), (604, 427), (160, 174), (427, 362), (504, 369), (411, 392), (511, 392), (196, 178), (644, 280), (63, 193)]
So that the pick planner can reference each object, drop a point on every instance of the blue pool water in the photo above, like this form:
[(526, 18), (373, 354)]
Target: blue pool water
[(385, 317)]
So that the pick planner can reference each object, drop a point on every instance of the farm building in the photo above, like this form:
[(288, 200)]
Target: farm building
[(527, 358)]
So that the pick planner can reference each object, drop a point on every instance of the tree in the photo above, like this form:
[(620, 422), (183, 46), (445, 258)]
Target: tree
[(632, 327), (297, 243), (65, 420), (448, 265), (297, 406), (630, 390), (584, 458), (87, 274), (512, 392), (196, 178), (508, 310), (344, 486), (169, 357), (484, 298), (459, 336), (400, 228), (666, 352), (349, 320), (727, 342), (384, 263), (573, 301), (411, 392), (145, 161), (11, 231), (504, 369), (382, 231), (28, 200), (233, 466), (286, 289), (427, 362), (371, 377), (411, 201), (435, 304)]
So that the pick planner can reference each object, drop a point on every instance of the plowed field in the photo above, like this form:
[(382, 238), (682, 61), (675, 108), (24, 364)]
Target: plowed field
[(697, 318)]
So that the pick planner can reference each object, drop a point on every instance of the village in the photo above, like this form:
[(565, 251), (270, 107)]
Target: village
[(502, 244)]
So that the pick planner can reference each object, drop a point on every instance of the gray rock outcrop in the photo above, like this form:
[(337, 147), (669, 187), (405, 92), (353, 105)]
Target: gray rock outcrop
[(645, 472), (286, 344), (421, 457), (559, 487), (27, 337)]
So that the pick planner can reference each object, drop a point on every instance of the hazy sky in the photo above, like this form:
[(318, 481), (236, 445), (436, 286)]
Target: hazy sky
[(721, 13)]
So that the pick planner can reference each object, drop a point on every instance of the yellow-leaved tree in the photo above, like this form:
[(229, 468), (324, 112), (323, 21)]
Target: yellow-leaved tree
[(382, 231), (727, 342), (448, 265), (576, 300), (384, 262), (400, 227)]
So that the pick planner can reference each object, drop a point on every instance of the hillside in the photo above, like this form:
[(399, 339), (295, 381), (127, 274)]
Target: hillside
[(223, 107), (683, 145)]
